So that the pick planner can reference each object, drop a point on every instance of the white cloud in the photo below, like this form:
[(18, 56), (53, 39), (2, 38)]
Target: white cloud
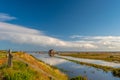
[(6, 17), (6, 27), (22, 35), (75, 36), (101, 42)]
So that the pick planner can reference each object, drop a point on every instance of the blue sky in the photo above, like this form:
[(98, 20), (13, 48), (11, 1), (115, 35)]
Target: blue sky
[(79, 25)]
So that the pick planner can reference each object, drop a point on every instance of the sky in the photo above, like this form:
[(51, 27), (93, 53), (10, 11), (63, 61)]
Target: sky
[(63, 25)]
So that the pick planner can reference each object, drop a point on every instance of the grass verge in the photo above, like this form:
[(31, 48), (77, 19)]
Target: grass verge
[(23, 71)]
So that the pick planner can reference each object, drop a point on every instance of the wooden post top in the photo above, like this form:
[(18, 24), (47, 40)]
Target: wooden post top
[(9, 51)]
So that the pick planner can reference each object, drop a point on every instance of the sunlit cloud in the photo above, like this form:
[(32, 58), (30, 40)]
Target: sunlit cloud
[(102, 42), (23, 35), (6, 17)]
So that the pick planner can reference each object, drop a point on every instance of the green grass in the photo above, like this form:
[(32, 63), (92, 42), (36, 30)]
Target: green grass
[(3, 54), (79, 78), (20, 71), (46, 68)]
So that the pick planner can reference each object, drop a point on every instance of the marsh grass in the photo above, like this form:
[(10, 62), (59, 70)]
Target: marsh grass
[(106, 56), (115, 71), (79, 78)]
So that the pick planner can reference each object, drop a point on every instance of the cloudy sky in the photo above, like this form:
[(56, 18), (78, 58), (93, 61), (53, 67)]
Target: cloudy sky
[(69, 25)]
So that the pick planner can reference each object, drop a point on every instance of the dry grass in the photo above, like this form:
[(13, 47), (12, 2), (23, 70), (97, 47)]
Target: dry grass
[(19, 71), (46, 68), (3, 57), (107, 56)]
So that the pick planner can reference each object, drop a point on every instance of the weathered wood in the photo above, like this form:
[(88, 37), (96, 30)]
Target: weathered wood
[(9, 58)]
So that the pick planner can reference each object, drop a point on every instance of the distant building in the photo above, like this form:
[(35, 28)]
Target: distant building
[(51, 52)]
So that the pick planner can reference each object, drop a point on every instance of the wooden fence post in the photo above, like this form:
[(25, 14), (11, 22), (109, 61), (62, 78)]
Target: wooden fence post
[(9, 58)]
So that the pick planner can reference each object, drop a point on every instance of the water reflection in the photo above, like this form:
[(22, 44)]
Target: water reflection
[(72, 69), (98, 62)]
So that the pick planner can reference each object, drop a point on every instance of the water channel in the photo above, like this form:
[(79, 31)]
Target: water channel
[(72, 69)]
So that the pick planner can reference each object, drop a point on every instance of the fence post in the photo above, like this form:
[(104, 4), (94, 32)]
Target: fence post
[(9, 58)]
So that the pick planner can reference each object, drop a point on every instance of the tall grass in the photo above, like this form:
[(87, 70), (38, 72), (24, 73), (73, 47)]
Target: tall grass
[(46, 68), (21, 71)]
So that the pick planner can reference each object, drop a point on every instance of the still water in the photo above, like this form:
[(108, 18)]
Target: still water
[(72, 69)]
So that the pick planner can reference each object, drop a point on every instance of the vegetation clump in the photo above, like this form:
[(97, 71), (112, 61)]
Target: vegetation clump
[(79, 78), (116, 72)]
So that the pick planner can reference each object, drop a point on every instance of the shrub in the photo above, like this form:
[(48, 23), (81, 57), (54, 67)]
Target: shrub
[(111, 56)]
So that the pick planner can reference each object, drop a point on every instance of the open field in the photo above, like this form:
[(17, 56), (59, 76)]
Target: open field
[(106, 56)]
